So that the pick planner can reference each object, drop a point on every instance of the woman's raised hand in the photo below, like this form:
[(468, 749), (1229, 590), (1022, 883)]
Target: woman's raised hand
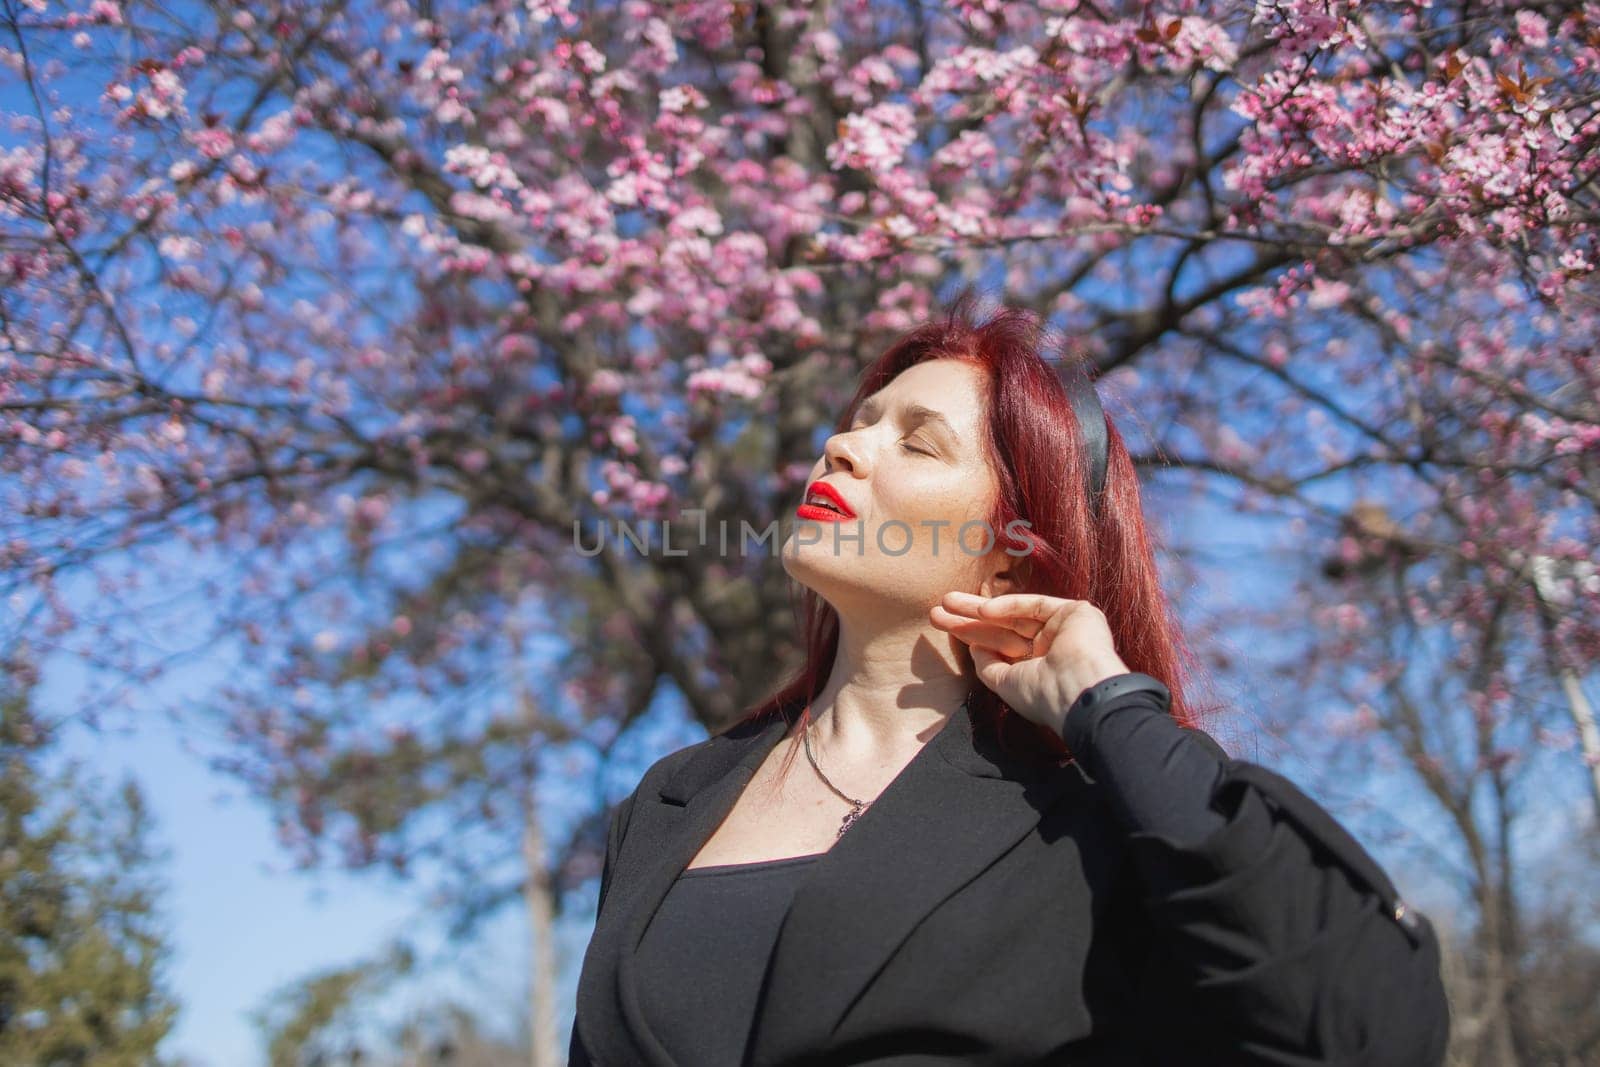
[(1037, 652)]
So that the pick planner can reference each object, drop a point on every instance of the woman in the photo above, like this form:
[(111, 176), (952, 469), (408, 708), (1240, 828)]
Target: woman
[(1008, 843)]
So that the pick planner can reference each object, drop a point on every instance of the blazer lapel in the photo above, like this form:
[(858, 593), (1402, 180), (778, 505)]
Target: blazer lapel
[(951, 812), (690, 806)]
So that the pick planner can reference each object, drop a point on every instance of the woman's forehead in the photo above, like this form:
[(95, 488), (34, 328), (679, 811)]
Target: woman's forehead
[(946, 387)]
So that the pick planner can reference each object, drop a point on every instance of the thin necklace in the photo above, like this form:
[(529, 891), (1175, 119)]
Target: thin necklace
[(856, 806)]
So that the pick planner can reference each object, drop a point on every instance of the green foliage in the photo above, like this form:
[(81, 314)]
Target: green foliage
[(350, 1016), (82, 945), (314, 1021)]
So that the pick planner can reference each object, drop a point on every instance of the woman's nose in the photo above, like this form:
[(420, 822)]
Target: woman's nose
[(841, 453)]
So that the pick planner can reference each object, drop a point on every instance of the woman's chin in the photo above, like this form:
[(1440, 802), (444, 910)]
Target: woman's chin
[(848, 587), (811, 566)]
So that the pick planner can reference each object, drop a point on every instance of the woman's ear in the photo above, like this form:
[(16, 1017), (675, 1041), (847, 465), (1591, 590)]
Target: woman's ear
[(1007, 580)]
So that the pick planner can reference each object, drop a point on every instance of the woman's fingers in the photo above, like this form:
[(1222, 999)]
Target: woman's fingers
[(994, 635), (966, 605), (1026, 612), (1035, 606), (1032, 649)]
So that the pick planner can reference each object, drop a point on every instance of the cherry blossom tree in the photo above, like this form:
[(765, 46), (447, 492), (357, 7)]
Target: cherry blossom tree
[(344, 319)]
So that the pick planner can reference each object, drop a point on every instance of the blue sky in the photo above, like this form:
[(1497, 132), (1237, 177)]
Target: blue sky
[(244, 922), (241, 930)]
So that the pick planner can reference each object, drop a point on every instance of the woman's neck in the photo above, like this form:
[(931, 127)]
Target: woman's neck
[(890, 691)]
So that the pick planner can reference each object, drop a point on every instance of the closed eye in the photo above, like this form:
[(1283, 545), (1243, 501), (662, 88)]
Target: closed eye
[(918, 451)]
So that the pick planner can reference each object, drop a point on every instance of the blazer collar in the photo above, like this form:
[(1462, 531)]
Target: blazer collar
[(956, 807), (962, 741)]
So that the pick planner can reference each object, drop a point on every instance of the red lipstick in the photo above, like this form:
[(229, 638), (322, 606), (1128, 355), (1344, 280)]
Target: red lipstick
[(813, 509)]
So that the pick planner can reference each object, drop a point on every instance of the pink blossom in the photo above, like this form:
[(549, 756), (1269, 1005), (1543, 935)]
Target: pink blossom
[(1533, 28), (874, 140), (662, 46), (972, 67), (1326, 293), (971, 148), (733, 380), (545, 10), (606, 382), (483, 167), (624, 435), (106, 11), (213, 143), (1207, 43), (681, 98), (273, 134), (166, 84), (436, 67)]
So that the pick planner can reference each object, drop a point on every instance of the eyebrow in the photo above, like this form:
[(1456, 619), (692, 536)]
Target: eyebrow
[(915, 412)]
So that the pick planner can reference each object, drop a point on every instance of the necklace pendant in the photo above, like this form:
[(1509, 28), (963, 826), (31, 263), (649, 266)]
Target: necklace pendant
[(851, 817)]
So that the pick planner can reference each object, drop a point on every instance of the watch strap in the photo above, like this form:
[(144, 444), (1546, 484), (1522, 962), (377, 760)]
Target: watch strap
[(1109, 689)]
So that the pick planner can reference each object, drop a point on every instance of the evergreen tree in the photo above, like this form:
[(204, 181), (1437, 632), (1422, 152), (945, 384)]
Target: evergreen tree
[(319, 1020), (81, 941), (346, 1017)]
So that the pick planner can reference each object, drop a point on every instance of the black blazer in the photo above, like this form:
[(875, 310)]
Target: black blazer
[(987, 908)]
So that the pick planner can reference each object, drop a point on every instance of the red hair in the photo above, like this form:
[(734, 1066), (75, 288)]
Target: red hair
[(1105, 558)]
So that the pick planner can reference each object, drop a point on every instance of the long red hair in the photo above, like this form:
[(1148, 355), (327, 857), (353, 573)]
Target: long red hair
[(1035, 451)]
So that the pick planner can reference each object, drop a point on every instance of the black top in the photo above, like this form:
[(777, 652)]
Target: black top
[(703, 954)]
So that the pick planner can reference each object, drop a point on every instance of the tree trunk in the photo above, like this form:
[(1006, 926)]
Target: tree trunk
[(541, 946)]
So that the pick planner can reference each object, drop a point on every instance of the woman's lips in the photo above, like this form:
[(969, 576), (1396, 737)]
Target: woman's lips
[(840, 510), (828, 495), (817, 513)]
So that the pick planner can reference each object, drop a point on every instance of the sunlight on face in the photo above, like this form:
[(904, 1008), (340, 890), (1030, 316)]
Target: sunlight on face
[(912, 468)]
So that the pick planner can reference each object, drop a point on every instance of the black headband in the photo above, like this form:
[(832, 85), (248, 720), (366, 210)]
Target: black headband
[(1092, 424)]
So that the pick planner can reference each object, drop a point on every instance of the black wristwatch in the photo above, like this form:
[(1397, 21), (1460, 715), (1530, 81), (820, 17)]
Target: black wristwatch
[(1115, 686)]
